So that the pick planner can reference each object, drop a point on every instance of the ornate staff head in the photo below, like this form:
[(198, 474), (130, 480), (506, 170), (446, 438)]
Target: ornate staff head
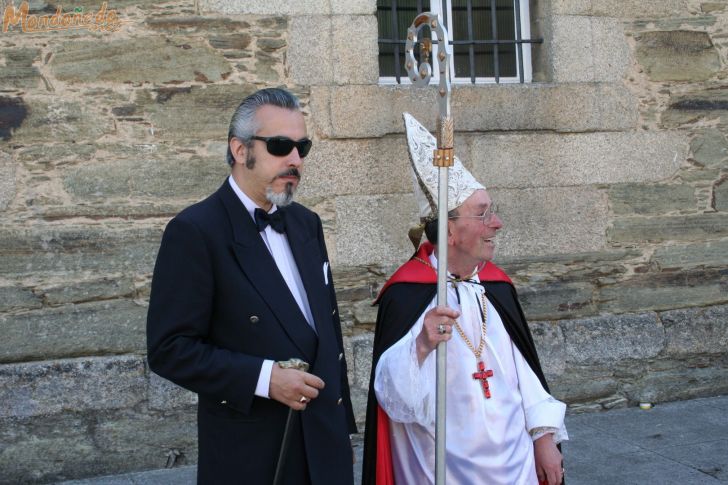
[(420, 74)]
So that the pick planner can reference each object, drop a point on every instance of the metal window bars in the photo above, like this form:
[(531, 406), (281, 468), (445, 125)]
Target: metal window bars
[(395, 15)]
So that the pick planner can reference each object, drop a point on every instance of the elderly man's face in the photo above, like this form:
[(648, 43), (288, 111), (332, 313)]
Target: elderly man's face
[(471, 242), (271, 173)]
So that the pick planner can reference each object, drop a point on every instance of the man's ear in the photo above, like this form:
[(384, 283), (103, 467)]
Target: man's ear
[(238, 149), (450, 238)]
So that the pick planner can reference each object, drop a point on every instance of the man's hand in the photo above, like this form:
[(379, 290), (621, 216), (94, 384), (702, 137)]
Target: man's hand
[(548, 460), (288, 386), (430, 334)]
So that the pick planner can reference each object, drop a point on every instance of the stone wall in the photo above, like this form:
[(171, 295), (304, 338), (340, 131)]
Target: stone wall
[(610, 172)]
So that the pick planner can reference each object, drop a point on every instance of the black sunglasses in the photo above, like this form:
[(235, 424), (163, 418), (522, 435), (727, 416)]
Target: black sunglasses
[(280, 146)]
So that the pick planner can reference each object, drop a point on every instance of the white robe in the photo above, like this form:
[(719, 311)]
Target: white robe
[(487, 440)]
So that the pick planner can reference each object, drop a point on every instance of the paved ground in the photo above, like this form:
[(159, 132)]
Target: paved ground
[(682, 443)]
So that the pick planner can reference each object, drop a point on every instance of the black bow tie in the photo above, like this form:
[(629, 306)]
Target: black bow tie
[(276, 220)]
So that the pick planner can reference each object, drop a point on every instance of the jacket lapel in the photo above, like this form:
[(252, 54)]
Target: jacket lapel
[(307, 253), (258, 265)]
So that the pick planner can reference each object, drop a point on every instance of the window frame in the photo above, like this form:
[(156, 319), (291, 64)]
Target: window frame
[(436, 6)]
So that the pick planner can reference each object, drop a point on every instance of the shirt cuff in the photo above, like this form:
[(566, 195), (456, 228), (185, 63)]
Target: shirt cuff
[(263, 386), (537, 433)]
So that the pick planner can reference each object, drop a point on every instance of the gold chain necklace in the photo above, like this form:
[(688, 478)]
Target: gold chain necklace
[(483, 330), (484, 326), (482, 374)]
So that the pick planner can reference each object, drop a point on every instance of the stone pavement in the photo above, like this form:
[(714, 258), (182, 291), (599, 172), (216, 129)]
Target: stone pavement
[(684, 442)]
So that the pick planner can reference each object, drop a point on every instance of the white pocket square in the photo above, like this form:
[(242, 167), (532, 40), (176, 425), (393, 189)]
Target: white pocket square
[(326, 272)]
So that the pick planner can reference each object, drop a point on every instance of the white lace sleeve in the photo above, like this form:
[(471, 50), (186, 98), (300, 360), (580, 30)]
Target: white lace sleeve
[(558, 434), (405, 390)]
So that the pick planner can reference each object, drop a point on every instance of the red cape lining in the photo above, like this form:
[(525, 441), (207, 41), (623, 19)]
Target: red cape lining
[(414, 271)]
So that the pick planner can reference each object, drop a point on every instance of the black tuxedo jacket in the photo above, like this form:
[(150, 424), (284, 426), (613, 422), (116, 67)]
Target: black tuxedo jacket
[(218, 308)]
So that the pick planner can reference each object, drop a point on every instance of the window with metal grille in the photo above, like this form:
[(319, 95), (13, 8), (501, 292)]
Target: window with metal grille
[(490, 38)]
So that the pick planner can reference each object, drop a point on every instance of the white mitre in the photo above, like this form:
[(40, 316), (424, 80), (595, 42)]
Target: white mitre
[(422, 145)]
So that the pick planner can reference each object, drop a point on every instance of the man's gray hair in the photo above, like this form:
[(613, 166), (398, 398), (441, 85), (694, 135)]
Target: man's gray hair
[(243, 125)]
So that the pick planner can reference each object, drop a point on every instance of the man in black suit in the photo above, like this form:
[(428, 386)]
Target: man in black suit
[(242, 282)]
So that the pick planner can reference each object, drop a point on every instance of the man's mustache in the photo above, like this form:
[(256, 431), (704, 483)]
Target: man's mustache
[(291, 172)]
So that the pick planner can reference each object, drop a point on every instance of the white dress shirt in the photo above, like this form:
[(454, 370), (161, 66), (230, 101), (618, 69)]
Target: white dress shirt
[(280, 249)]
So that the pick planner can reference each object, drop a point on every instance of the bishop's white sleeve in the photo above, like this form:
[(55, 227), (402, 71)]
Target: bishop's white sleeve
[(543, 412), (406, 391)]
